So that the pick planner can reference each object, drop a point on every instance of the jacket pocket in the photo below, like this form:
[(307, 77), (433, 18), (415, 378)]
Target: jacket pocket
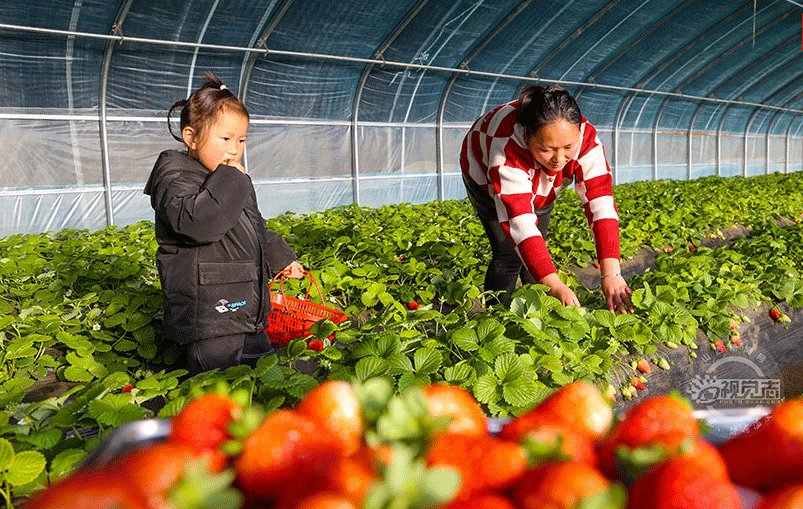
[(227, 292)]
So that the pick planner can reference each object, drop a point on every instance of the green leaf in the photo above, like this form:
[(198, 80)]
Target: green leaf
[(520, 392), (427, 360), (136, 320), (114, 320), (486, 388), (64, 463), (488, 330), (369, 367), (125, 345), (508, 367), (465, 339), (6, 454), (42, 439), (25, 467)]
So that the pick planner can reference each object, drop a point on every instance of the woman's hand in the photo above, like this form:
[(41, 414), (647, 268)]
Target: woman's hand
[(617, 293), (560, 291), (295, 270)]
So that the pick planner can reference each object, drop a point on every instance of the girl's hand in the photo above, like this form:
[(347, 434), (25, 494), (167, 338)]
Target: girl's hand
[(295, 270), (617, 294), (235, 164)]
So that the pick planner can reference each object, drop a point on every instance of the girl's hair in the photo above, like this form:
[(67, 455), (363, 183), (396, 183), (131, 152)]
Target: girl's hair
[(539, 106), (204, 105)]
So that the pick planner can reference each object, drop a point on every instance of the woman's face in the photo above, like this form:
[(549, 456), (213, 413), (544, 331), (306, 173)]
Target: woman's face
[(555, 144)]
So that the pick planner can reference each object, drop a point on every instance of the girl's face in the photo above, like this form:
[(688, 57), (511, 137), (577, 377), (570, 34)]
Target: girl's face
[(222, 142), (555, 144)]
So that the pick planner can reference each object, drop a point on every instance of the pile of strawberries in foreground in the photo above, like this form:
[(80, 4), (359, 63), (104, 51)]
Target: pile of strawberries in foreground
[(350, 446)]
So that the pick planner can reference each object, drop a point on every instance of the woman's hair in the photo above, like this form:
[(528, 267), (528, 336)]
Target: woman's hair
[(539, 106), (204, 105)]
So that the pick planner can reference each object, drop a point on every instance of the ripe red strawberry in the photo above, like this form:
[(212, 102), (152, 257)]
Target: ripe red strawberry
[(484, 462), (554, 442), (720, 346), (579, 405), (786, 498), (335, 405), (154, 470), (288, 449), (596, 265), (670, 249), (350, 477), (93, 489), (127, 388), (736, 341), (202, 425), (775, 314), (455, 402), (644, 366), (565, 485), (775, 443), (646, 422), (692, 246), (637, 383), (413, 305), (694, 480), (326, 500), (316, 345), (486, 500)]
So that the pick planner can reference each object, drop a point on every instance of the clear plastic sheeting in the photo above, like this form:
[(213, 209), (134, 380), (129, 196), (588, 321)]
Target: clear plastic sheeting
[(368, 102)]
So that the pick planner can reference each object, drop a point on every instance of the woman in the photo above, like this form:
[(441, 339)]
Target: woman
[(516, 160)]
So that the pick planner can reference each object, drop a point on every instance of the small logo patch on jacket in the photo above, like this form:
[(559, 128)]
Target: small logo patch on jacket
[(225, 306)]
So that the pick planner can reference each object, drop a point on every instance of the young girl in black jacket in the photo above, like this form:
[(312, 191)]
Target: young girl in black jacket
[(215, 258)]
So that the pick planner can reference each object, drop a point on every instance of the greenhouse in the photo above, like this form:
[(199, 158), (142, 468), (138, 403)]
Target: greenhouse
[(421, 254), (367, 103)]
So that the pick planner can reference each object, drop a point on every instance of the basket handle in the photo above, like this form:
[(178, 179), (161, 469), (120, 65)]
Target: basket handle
[(284, 273)]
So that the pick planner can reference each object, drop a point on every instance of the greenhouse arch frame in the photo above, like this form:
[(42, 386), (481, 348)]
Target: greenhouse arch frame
[(367, 104)]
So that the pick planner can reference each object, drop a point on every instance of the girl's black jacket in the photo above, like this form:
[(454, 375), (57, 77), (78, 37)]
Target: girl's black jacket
[(215, 258)]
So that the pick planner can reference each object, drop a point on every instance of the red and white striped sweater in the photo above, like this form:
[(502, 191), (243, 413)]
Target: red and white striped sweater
[(495, 155)]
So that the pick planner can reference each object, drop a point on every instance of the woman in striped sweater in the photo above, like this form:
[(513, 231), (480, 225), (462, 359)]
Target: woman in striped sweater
[(516, 159)]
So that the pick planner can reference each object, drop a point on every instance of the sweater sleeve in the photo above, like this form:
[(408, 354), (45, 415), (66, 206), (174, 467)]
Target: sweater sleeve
[(201, 214), (594, 187)]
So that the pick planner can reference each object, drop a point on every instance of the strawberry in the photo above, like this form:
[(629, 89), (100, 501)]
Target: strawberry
[(645, 423), (644, 366), (413, 305), (315, 345), (695, 480), (566, 485), (637, 383), (692, 246), (733, 324), (350, 477), (127, 388), (484, 462), (154, 470), (736, 341), (719, 345), (775, 443), (558, 442), (335, 405), (90, 489), (786, 498), (485, 500), (455, 402), (579, 405), (202, 426), (287, 449), (326, 500), (596, 265), (775, 314), (670, 249)]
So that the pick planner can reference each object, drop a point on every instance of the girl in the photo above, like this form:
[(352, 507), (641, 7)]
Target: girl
[(215, 257), (515, 161)]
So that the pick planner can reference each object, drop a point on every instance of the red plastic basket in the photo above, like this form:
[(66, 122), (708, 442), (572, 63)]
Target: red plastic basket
[(292, 317)]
